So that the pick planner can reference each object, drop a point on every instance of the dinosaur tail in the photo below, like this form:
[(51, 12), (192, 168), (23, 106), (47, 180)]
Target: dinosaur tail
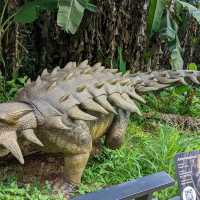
[(144, 82)]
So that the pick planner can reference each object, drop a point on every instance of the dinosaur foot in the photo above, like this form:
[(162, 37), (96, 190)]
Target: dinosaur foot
[(96, 148), (61, 186)]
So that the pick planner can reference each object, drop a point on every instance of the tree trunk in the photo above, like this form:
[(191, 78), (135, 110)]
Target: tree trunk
[(116, 24)]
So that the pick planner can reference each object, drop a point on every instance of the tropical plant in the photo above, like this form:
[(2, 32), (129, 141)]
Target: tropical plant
[(164, 18), (121, 63), (69, 16), (9, 88), (5, 23)]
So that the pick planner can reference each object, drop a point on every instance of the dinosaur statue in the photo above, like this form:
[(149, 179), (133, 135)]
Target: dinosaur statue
[(68, 110)]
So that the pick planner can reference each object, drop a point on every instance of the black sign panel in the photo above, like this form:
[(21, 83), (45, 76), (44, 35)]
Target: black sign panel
[(188, 173)]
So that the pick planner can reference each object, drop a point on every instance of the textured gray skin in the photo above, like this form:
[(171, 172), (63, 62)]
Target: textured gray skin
[(68, 110)]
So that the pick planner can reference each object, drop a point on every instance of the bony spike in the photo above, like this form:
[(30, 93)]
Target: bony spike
[(30, 135), (105, 103), (9, 141), (77, 113), (93, 106)]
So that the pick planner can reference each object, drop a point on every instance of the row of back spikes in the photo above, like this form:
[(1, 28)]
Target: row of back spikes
[(86, 69), (102, 105), (121, 100)]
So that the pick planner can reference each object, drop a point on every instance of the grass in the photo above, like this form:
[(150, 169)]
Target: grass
[(9, 190), (144, 152), (184, 100)]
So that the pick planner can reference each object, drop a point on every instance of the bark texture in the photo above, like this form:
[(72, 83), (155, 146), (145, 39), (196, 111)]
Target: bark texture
[(116, 24)]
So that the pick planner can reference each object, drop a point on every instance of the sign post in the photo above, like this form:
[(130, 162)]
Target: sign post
[(188, 173)]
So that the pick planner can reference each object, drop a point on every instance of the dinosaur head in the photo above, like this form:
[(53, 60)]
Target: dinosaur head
[(16, 119)]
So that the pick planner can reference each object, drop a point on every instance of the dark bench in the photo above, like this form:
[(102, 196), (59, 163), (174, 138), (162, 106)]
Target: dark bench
[(140, 189), (176, 198)]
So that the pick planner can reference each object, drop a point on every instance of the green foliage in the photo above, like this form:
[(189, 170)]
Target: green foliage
[(8, 89), (192, 66), (167, 31), (183, 100), (120, 61), (155, 12), (143, 153), (70, 12), (176, 60), (10, 190), (5, 24), (195, 12), (164, 17), (30, 11)]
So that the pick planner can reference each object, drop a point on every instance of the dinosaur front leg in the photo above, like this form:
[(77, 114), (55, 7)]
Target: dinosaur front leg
[(76, 147), (76, 161), (74, 167), (115, 134)]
